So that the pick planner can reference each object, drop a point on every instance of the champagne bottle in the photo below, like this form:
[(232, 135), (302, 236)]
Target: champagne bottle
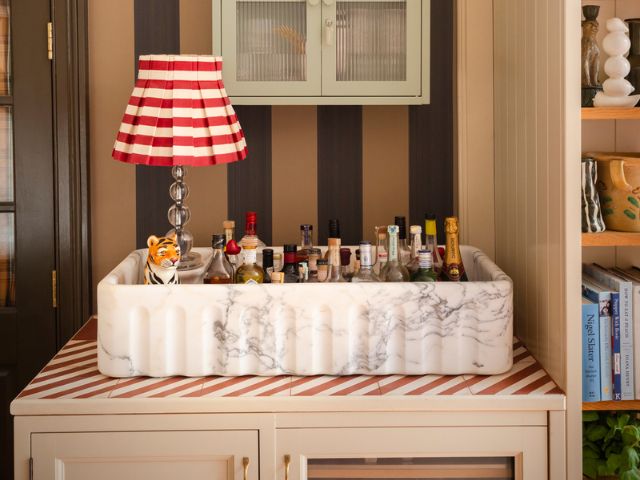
[(452, 266)]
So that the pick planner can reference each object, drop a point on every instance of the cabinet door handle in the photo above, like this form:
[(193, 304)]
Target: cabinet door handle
[(328, 32), (287, 464), (245, 465)]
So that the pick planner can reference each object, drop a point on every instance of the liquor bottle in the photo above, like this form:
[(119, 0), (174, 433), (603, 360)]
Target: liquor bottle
[(345, 263), (381, 250), (334, 232), (250, 272), (416, 246), (356, 265), (220, 270), (365, 273), (425, 272), (267, 264), (323, 270), (250, 229), (306, 241), (452, 267), (335, 272), (229, 227), (394, 271), (303, 271), (290, 267), (431, 234), (404, 253), (232, 251), (314, 256)]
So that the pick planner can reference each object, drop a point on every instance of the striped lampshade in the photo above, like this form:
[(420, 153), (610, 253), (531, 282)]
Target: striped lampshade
[(179, 114)]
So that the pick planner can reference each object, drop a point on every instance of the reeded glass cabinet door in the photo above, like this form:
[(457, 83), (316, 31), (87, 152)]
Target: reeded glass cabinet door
[(372, 47), (271, 47)]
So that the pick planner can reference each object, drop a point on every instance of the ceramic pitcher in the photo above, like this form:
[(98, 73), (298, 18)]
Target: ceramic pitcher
[(619, 189)]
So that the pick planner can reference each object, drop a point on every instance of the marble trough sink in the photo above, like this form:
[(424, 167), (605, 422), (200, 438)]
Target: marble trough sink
[(305, 329)]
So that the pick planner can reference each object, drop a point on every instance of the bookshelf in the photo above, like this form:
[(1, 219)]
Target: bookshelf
[(611, 239), (595, 113), (611, 406)]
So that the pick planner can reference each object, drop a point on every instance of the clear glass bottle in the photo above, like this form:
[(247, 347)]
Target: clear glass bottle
[(306, 241), (250, 231), (290, 267), (232, 251), (335, 271), (425, 272), (220, 270), (365, 273), (382, 255), (416, 245), (394, 271), (452, 266), (345, 263), (404, 252), (431, 234), (314, 256), (323, 270), (250, 272), (267, 264)]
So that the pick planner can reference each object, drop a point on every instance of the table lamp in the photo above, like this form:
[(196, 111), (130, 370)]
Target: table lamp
[(179, 115)]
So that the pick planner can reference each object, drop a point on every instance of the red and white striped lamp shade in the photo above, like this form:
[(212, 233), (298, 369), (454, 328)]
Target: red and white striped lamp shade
[(179, 114)]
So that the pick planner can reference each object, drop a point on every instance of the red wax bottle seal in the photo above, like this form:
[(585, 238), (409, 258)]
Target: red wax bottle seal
[(232, 248)]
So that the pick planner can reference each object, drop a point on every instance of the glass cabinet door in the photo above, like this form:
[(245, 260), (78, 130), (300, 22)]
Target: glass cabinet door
[(372, 47), (269, 47)]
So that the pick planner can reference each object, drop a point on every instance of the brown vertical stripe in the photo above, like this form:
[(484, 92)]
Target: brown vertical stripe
[(207, 186), (113, 184), (157, 30), (295, 170), (249, 181), (385, 165), (431, 186), (340, 171)]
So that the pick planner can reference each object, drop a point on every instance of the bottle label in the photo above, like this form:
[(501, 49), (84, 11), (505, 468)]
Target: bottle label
[(365, 256), (250, 255), (393, 243), (453, 271)]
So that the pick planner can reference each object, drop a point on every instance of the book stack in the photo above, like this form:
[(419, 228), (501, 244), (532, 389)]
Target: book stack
[(610, 309)]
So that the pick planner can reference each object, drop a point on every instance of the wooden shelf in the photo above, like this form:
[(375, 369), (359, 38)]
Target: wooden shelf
[(595, 113), (605, 406), (611, 239)]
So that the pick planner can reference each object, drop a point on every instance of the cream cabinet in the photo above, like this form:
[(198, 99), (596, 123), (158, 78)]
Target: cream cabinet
[(193, 455), (399, 453), (323, 51)]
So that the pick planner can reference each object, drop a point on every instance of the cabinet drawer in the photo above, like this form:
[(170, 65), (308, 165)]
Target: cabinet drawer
[(193, 455), (419, 453)]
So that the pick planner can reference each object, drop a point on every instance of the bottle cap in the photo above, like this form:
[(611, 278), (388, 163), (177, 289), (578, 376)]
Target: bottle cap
[(233, 248), (306, 226), (401, 222), (228, 224), (251, 217), (429, 216), (334, 228), (323, 262), (267, 257), (415, 229), (290, 248), (345, 256), (392, 229), (217, 241)]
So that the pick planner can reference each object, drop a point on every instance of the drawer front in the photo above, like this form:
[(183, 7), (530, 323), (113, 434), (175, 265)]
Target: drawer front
[(194, 455), (419, 453)]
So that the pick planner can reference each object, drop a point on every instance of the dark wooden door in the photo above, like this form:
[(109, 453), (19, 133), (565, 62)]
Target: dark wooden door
[(27, 205)]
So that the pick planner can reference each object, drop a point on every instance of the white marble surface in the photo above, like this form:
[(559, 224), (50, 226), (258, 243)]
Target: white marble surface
[(305, 329)]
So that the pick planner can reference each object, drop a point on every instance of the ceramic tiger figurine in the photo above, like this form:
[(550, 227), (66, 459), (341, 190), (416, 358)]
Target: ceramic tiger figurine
[(162, 261)]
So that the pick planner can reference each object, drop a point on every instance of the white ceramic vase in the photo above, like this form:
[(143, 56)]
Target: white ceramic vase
[(616, 88)]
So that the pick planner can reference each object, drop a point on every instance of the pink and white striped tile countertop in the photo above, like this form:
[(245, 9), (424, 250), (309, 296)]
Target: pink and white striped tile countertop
[(71, 384)]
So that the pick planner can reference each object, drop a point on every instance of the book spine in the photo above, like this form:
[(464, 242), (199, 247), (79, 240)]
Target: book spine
[(626, 341), (590, 353), (615, 347)]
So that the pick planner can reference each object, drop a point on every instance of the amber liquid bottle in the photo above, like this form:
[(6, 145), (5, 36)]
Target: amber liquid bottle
[(220, 270), (452, 266)]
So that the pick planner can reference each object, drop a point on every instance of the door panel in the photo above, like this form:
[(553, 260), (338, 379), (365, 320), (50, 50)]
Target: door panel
[(271, 47), (372, 47), (394, 453), (216, 455)]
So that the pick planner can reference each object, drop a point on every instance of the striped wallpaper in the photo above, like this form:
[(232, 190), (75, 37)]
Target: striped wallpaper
[(306, 164)]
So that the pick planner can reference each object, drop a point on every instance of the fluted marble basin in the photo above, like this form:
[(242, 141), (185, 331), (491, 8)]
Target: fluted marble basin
[(305, 329)]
